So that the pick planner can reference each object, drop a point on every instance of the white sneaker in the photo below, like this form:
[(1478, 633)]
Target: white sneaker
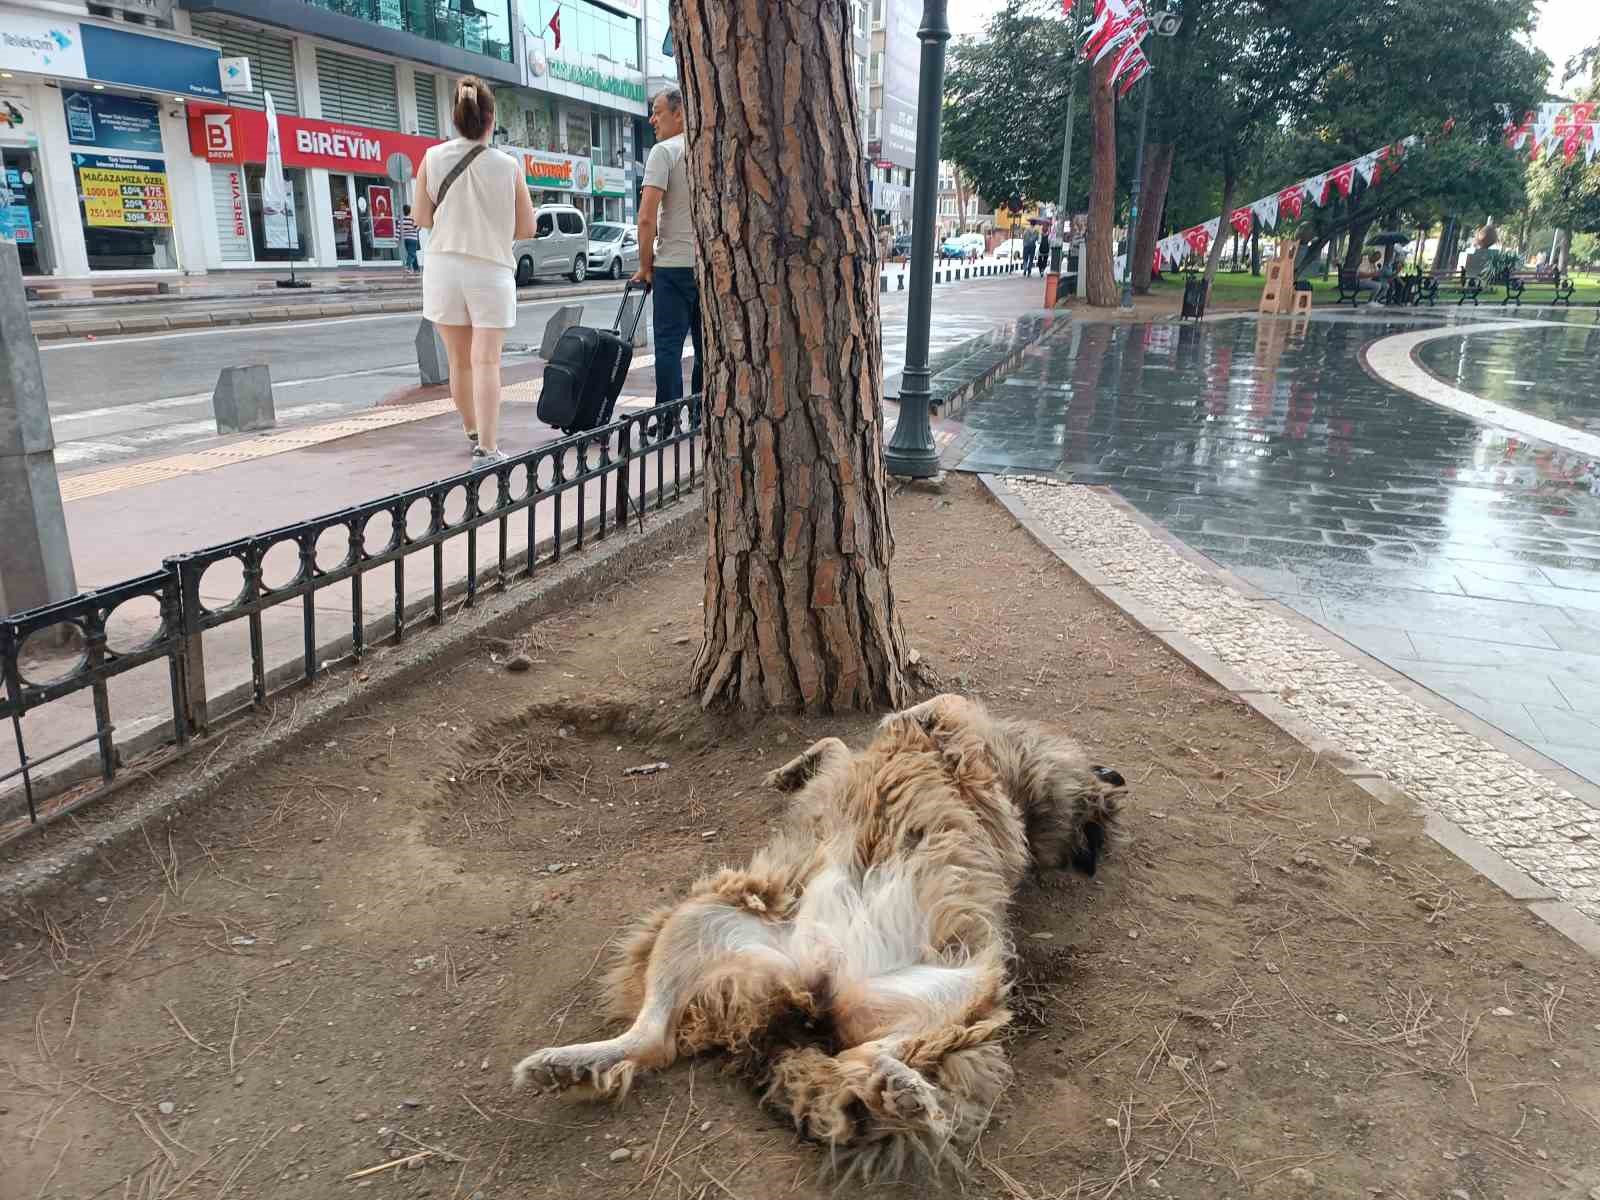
[(483, 458)]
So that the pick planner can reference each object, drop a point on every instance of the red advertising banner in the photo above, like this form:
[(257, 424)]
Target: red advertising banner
[(237, 135), (380, 211)]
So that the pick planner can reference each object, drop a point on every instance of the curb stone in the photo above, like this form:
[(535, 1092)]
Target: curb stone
[(33, 871), (1557, 914)]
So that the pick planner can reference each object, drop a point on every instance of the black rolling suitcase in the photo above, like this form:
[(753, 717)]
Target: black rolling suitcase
[(585, 373)]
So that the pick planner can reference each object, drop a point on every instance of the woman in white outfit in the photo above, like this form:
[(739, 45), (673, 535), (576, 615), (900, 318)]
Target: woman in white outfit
[(469, 288)]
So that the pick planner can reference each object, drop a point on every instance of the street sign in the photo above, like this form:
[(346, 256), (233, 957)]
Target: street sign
[(398, 167)]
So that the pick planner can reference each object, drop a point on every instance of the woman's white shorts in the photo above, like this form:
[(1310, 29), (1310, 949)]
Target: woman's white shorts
[(458, 289)]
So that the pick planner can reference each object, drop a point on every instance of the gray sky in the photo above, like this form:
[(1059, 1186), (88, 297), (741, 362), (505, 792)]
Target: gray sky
[(1565, 26)]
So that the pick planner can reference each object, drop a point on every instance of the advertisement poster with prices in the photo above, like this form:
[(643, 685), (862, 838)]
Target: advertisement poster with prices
[(380, 211), (123, 192)]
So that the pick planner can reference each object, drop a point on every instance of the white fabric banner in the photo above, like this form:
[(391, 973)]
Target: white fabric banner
[(1316, 189), (1367, 166), (1266, 211)]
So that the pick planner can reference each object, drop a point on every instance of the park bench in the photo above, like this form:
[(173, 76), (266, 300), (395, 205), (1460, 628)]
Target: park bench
[(1463, 286), (1518, 282), (1349, 289)]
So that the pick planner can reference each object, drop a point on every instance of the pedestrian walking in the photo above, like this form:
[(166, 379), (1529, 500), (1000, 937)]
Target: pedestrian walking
[(1030, 243), (474, 203), (410, 239), (667, 254), (1043, 255)]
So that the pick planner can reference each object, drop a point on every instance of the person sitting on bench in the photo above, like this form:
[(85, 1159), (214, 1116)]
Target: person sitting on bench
[(1367, 274)]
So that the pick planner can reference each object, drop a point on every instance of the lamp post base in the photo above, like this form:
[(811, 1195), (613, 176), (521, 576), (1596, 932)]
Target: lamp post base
[(911, 452)]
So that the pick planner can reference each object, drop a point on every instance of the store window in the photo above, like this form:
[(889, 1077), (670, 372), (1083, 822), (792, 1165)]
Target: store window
[(379, 219), (587, 31), (282, 236), (120, 172), (24, 215), (118, 164)]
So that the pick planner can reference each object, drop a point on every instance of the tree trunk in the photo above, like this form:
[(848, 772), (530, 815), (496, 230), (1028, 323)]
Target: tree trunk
[(799, 610), (1563, 249), (1444, 257), (1357, 239), (1255, 250), (1100, 272), (1153, 198), (1229, 186)]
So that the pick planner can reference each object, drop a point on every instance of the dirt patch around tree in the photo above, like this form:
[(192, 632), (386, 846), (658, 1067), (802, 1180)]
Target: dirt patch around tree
[(1276, 987)]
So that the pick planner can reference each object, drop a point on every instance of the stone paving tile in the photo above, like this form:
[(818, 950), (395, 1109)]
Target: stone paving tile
[(1265, 446), (1543, 829)]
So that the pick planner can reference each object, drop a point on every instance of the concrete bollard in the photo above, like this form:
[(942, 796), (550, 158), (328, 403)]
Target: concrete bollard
[(243, 399), (900, 282), (432, 364), (883, 284), (564, 319)]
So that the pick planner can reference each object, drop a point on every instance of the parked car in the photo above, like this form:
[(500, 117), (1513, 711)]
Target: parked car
[(964, 245), (1009, 250), (613, 249), (901, 247), (559, 246)]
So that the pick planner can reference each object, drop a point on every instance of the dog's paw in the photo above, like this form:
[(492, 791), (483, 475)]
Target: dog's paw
[(603, 1069), (906, 1096)]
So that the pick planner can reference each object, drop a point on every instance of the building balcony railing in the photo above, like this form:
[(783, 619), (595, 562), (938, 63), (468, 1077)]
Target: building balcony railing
[(460, 23)]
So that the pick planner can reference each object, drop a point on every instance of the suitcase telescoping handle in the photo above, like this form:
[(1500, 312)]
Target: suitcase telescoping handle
[(638, 311)]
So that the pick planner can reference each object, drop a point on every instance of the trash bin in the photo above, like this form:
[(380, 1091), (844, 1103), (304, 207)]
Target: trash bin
[(1194, 296)]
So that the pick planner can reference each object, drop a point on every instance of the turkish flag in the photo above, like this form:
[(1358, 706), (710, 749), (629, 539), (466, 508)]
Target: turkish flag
[(1344, 178), (1066, 8), (1242, 222), (555, 25), (1290, 200), (1199, 240)]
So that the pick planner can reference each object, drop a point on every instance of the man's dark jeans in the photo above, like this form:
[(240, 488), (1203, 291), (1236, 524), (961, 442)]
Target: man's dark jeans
[(676, 316)]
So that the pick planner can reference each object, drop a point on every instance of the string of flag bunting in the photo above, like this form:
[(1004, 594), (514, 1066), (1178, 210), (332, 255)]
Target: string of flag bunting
[(1288, 203), (1558, 123), (1117, 27)]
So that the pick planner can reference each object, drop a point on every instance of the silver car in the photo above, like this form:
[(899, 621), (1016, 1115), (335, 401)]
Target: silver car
[(613, 249), (559, 246)]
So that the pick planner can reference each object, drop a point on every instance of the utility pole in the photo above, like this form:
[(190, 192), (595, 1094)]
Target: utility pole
[(1057, 251), (35, 557), (1133, 205)]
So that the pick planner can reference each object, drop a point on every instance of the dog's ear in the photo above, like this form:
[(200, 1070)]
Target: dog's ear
[(1107, 775)]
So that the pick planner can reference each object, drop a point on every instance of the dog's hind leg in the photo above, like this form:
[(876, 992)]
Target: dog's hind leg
[(711, 959)]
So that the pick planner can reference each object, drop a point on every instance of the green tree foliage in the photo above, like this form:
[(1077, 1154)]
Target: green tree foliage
[(1005, 104)]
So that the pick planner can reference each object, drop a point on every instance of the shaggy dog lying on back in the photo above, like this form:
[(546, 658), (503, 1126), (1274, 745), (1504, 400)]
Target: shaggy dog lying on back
[(857, 968)]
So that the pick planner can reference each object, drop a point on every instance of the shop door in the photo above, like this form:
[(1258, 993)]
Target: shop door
[(342, 196), (26, 213)]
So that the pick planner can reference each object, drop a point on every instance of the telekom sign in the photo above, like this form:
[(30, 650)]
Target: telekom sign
[(235, 135)]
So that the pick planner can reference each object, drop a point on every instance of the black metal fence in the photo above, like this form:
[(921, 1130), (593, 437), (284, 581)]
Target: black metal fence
[(585, 486)]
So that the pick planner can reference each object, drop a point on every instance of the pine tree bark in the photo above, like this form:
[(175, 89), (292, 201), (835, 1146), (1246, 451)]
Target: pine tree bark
[(1100, 277), (1152, 200), (799, 609)]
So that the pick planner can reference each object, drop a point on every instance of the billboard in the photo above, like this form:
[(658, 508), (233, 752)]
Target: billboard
[(902, 54)]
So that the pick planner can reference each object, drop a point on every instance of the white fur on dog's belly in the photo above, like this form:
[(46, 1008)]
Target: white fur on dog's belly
[(856, 931)]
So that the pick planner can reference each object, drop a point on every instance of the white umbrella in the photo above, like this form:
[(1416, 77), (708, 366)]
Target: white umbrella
[(275, 189)]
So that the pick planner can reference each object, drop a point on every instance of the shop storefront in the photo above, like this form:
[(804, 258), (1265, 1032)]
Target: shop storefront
[(559, 179), (90, 136), (610, 193), (338, 181)]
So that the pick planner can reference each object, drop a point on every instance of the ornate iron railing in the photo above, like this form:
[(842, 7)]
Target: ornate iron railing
[(600, 479)]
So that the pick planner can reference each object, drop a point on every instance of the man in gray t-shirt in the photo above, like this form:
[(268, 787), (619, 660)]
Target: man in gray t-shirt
[(666, 252)]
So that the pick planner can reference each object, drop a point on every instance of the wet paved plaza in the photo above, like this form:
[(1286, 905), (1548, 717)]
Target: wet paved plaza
[(1459, 554)]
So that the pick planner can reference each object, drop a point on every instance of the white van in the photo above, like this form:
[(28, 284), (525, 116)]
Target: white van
[(559, 246)]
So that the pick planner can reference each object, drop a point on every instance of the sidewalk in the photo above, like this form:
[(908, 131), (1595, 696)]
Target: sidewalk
[(336, 295), (125, 520)]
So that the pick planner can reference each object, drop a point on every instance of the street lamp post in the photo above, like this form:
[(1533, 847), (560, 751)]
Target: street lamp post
[(1164, 24), (1133, 206), (911, 451)]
